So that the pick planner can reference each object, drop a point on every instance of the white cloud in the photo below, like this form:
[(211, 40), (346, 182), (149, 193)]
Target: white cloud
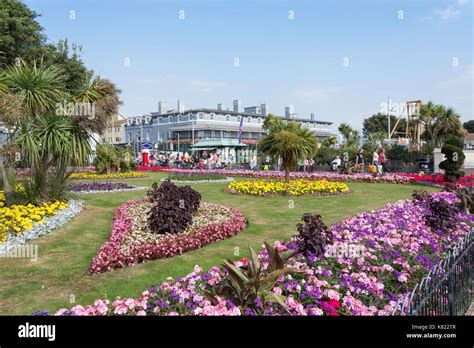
[(447, 14)]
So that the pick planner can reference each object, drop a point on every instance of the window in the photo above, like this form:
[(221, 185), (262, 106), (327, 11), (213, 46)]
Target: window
[(227, 117), (147, 136), (170, 119), (212, 116), (129, 137), (201, 115)]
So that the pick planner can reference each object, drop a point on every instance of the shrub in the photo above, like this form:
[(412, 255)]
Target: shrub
[(465, 195), (173, 207), (441, 215), (453, 150), (313, 235), (250, 285)]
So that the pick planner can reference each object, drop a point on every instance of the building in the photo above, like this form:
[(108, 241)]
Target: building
[(469, 141), (114, 134), (206, 129)]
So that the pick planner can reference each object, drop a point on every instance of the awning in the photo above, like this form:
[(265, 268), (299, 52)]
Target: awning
[(218, 142), (204, 148)]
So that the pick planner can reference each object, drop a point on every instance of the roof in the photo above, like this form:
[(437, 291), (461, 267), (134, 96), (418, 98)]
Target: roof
[(225, 112), (218, 142), (469, 137), (214, 125)]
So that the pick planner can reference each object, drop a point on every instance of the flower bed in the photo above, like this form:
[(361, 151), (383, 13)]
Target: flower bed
[(438, 179), (22, 223), (101, 187), (195, 176), (294, 187), (279, 175), (376, 258), (96, 176), (130, 242)]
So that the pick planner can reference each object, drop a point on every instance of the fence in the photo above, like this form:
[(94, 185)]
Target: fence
[(447, 289)]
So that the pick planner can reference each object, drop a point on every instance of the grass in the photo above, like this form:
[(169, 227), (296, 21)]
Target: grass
[(59, 277)]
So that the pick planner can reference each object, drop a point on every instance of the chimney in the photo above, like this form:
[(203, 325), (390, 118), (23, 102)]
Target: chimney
[(236, 104), (290, 111), (263, 109), (160, 107), (312, 117), (180, 106), (219, 106)]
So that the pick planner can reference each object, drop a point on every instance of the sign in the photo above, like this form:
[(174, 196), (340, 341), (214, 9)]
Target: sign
[(147, 146)]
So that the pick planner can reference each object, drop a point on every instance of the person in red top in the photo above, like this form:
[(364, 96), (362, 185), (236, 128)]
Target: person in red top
[(382, 160)]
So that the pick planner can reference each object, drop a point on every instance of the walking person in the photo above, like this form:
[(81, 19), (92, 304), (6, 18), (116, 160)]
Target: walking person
[(382, 161), (360, 160)]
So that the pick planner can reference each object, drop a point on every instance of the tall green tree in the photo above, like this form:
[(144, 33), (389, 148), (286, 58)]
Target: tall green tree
[(469, 126), (439, 122), (378, 123), (289, 141), (350, 136)]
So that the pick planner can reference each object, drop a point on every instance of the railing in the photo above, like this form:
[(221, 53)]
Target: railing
[(445, 290)]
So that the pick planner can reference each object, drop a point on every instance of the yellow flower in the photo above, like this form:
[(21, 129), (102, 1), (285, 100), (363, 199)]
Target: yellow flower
[(294, 187)]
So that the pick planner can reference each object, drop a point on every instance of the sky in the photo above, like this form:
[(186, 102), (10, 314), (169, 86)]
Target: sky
[(340, 59)]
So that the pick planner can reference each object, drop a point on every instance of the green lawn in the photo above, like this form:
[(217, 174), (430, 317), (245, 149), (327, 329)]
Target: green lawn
[(60, 273)]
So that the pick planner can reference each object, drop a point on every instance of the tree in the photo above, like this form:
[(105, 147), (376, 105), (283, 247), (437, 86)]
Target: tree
[(469, 126), (50, 143), (20, 34), (351, 136), (453, 150), (106, 158), (378, 123), (329, 141), (49, 140), (287, 140), (439, 122)]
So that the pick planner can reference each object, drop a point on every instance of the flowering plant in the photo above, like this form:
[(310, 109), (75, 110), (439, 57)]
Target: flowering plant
[(131, 242), (375, 258), (294, 187), (87, 175)]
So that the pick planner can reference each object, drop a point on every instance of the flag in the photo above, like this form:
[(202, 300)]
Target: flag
[(240, 129)]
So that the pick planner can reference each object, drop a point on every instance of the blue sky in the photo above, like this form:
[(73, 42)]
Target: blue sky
[(416, 49)]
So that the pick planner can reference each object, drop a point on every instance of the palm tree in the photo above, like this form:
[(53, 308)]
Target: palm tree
[(350, 135), (52, 141), (41, 88), (329, 141), (289, 141), (106, 157), (439, 121)]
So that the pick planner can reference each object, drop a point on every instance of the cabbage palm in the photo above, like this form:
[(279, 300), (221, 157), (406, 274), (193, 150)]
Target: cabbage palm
[(439, 121), (289, 141), (106, 157), (52, 141), (41, 88)]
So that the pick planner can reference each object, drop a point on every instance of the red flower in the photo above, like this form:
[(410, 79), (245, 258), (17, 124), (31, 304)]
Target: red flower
[(244, 260), (334, 303)]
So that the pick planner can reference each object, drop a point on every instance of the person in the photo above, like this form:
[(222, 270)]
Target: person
[(360, 159), (375, 158), (336, 163), (311, 165), (381, 161), (305, 165), (253, 162)]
